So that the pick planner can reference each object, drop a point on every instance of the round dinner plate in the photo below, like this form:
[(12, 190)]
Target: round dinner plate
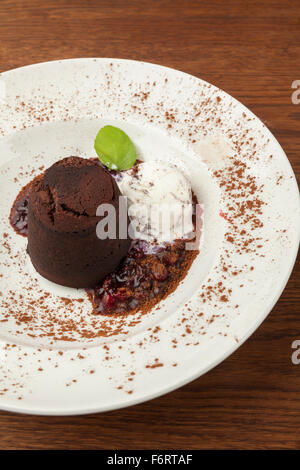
[(56, 356)]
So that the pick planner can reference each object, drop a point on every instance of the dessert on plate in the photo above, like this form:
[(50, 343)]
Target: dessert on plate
[(59, 213), (62, 240)]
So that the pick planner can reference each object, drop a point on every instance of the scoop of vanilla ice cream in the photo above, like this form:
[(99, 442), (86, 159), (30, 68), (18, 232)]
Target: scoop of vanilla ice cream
[(159, 201)]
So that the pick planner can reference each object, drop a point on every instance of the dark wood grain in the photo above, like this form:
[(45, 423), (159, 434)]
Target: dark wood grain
[(252, 51)]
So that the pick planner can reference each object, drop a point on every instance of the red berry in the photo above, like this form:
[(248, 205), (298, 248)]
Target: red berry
[(160, 272), (108, 301)]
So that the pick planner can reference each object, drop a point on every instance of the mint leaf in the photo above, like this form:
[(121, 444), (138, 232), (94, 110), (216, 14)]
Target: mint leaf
[(114, 148)]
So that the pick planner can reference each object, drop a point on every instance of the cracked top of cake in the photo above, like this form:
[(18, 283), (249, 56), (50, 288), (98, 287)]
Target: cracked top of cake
[(65, 198)]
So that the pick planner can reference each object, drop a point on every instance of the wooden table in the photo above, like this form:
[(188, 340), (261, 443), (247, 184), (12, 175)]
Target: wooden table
[(251, 50)]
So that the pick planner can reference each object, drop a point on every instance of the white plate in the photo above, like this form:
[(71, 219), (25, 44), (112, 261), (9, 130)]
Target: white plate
[(249, 244)]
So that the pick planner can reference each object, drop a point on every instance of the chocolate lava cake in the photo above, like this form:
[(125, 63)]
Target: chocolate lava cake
[(62, 241)]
